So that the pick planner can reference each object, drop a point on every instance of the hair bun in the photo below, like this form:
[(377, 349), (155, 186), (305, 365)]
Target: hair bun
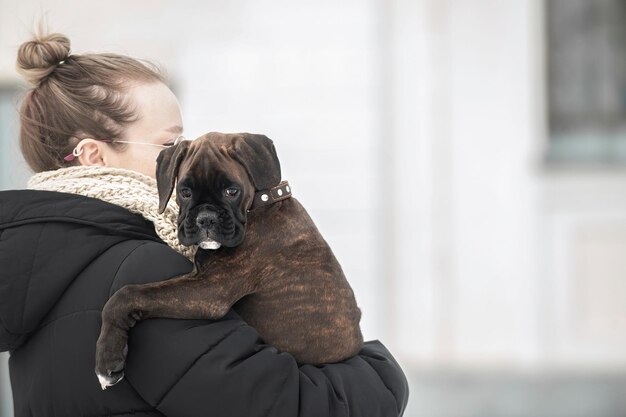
[(37, 58)]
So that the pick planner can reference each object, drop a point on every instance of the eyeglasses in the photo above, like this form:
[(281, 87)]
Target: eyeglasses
[(77, 152)]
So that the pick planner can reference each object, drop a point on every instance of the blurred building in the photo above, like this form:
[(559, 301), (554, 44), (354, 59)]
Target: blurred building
[(464, 159)]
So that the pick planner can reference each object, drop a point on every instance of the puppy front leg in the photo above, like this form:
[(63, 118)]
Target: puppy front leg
[(184, 297)]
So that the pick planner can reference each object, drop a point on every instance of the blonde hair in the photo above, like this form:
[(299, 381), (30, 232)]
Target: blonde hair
[(73, 97)]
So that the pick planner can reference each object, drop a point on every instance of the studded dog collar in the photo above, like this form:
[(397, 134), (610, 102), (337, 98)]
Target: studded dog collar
[(266, 197)]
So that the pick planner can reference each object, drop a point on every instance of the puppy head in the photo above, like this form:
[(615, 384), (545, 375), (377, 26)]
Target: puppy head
[(216, 177)]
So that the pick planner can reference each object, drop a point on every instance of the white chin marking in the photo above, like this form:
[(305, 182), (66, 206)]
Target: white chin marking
[(210, 244)]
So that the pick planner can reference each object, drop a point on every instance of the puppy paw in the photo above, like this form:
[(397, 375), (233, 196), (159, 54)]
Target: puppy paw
[(110, 362), (110, 380)]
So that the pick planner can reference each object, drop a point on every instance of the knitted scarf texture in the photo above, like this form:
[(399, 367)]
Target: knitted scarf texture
[(132, 190)]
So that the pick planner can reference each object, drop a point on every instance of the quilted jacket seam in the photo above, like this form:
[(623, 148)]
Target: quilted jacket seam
[(282, 386), (116, 276), (393, 395), (158, 404), (30, 278), (76, 220)]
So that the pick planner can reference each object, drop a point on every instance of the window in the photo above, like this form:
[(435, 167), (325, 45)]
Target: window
[(13, 169), (586, 71)]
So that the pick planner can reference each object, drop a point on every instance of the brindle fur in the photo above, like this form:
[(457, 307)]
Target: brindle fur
[(283, 278)]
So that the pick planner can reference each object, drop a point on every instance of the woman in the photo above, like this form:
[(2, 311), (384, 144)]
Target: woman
[(91, 129)]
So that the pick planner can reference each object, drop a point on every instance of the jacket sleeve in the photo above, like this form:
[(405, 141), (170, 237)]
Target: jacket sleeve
[(223, 368)]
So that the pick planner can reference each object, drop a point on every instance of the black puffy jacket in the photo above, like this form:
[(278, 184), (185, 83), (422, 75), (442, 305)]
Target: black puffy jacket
[(61, 258)]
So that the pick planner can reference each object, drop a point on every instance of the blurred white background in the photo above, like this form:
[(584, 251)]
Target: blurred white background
[(464, 159)]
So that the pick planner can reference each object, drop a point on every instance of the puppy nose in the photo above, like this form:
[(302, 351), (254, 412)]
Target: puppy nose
[(206, 219)]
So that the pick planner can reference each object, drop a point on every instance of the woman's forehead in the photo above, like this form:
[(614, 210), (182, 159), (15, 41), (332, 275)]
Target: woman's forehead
[(157, 109)]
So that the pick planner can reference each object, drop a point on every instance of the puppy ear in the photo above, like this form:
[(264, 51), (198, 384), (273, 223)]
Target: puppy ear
[(258, 155), (168, 163)]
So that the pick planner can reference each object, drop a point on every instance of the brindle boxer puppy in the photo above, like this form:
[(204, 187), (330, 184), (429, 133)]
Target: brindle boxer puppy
[(283, 276)]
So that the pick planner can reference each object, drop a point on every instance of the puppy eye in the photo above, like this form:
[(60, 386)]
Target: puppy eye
[(185, 193), (231, 192)]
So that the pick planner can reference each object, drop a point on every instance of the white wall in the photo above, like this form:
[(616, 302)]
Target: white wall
[(486, 157), (466, 126)]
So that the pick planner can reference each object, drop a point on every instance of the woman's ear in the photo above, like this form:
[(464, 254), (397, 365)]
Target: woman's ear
[(91, 153)]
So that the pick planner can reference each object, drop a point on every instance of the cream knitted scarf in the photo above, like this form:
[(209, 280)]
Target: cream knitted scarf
[(129, 189)]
